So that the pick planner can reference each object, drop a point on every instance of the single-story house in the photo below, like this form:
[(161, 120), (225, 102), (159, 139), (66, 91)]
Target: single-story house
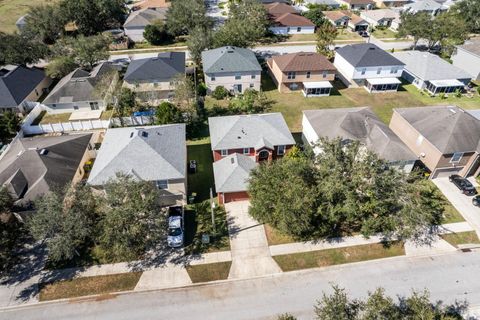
[(307, 71), (83, 90), (285, 20), (338, 18), (136, 22), (236, 69), (153, 79), (467, 57), (358, 4), (367, 65), (152, 4), (432, 7), (430, 72), (357, 124), (356, 23), (20, 86), (381, 17), (391, 3), (239, 143), (329, 3), (36, 165), (445, 138), (155, 153)]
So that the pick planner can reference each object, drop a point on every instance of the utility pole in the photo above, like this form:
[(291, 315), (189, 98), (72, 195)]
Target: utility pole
[(212, 207)]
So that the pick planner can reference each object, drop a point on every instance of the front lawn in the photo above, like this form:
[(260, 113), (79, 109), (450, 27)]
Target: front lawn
[(89, 286), (456, 239), (302, 37), (346, 34), (384, 33), (451, 215), (329, 257), (275, 237), (209, 272)]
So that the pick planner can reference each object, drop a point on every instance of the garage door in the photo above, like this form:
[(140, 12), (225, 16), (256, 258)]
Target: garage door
[(235, 196), (439, 173)]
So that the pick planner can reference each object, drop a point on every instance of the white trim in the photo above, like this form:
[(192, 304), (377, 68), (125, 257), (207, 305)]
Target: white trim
[(224, 152), (459, 159)]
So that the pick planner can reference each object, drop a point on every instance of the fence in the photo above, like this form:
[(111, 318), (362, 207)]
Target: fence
[(132, 121)]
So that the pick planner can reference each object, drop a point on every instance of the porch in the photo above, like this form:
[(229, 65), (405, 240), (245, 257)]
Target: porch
[(316, 89), (382, 85), (444, 86)]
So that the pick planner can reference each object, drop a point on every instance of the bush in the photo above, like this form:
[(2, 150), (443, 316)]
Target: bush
[(202, 90), (442, 95), (156, 34), (478, 89), (220, 93), (458, 93), (167, 113)]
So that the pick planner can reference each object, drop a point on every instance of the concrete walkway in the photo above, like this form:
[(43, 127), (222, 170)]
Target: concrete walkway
[(168, 276), (250, 254)]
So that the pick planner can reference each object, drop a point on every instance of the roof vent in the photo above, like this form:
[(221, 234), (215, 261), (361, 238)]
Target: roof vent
[(43, 152)]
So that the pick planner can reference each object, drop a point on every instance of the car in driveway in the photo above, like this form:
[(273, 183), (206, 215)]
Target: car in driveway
[(175, 235), (463, 184), (476, 200)]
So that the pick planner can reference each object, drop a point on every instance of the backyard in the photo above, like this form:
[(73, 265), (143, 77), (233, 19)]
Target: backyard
[(11, 10)]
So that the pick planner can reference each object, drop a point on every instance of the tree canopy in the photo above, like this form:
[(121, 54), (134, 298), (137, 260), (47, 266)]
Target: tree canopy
[(316, 16), (186, 15), (469, 10), (326, 34), (21, 49)]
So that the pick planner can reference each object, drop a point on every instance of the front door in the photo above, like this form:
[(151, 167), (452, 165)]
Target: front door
[(237, 88), (263, 155)]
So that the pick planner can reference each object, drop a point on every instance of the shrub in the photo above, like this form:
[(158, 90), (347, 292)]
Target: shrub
[(458, 93), (478, 89), (156, 34), (442, 95), (202, 90), (220, 93)]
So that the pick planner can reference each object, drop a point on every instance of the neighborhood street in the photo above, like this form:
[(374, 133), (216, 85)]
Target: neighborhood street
[(448, 277)]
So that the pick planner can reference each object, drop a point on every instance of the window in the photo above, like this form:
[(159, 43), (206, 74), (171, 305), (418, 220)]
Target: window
[(324, 74), (288, 29), (238, 76), (155, 84), (394, 70), (94, 106), (379, 70), (291, 75), (224, 152), (299, 29), (457, 156), (364, 70), (75, 107), (308, 74), (161, 184), (281, 150), (54, 105), (252, 85), (36, 92), (253, 76), (212, 77), (246, 150)]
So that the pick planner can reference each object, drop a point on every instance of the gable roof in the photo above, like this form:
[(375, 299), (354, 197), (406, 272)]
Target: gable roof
[(428, 66), (362, 125), (367, 55), (27, 173), (279, 8), (144, 17), (152, 4), (449, 128), (423, 5), (359, 1), (379, 14), (229, 59), (148, 153), (164, 67), (472, 46), (232, 172), (17, 82), (335, 15), (80, 85), (303, 61), (292, 20), (249, 131)]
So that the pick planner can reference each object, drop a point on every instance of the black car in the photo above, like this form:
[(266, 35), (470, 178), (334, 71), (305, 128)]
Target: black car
[(463, 184), (476, 201)]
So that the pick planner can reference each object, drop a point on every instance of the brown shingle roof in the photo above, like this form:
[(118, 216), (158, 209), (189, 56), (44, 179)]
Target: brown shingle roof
[(292, 20), (303, 61), (335, 15), (359, 2), (152, 4), (277, 8)]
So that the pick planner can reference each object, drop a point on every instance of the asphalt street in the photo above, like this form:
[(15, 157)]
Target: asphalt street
[(448, 277)]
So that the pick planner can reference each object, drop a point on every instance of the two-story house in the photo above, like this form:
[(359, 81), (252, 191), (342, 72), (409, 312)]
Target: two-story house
[(367, 65), (307, 71), (286, 20), (155, 153), (153, 79), (236, 69), (445, 138), (431, 7), (136, 22), (239, 143)]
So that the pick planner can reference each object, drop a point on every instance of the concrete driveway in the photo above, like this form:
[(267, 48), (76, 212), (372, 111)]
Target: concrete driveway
[(460, 201), (250, 253)]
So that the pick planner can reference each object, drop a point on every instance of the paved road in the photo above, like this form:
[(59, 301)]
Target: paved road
[(448, 277)]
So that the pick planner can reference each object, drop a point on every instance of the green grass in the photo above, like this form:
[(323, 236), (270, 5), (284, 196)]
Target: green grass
[(385, 33), (89, 286), (106, 115), (209, 272), (329, 257), (53, 118), (463, 102), (274, 236), (302, 37), (345, 34), (456, 239), (451, 215), (11, 10), (201, 181)]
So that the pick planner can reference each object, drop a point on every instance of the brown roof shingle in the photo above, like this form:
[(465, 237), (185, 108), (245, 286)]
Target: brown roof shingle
[(303, 61), (278, 8), (292, 20)]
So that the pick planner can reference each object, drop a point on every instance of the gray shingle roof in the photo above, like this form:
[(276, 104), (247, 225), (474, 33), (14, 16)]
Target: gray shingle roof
[(79, 85), (359, 124), (28, 174), (148, 153), (428, 66), (249, 131), (367, 55), (144, 17), (229, 59), (17, 82), (450, 129), (165, 67), (472, 45), (423, 5), (232, 172)]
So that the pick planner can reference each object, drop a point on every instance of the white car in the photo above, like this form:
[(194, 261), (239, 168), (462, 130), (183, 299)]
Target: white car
[(175, 231)]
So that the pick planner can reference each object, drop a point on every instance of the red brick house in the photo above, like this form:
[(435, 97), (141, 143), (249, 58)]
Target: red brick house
[(239, 143)]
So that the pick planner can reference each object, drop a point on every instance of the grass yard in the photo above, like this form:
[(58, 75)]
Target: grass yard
[(274, 237), (385, 33), (456, 239), (209, 272), (45, 118), (345, 34), (201, 181), (11, 10), (302, 37), (451, 215), (89, 286), (106, 115), (329, 257), (463, 102)]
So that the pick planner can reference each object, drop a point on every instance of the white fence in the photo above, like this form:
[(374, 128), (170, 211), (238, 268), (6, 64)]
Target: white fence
[(132, 121)]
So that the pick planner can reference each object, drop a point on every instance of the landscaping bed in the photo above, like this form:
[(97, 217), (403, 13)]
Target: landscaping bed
[(209, 272), (456, 239)]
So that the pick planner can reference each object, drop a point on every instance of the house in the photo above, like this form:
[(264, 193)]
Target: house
[(329, 3), (155, 153), (153, 79), (467, 57), (345, 18), (391, 3), (356, 23), (381, 17), (357, 124), (151, 4), (21, 22), (239, 143), (136, 22), (236, 69), (431, 7), (445, 138), (285, 20), (358, 4), (307, 71), (82, 90), (367, 65), (20, 86), (33, 166), (430, 72)]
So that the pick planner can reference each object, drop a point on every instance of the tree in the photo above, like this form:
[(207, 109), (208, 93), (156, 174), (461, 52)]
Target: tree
[(417, 25), (469, 10), (65, 220), (9, 125), (337, 306), (21, 49), (184, 96), (286, 316), (251, 101), (156, 33), (47, 22), (220, 93), (9, 231), (132, 221), (316, 16), (167, 113), (126, 102), (448, 30), (326, 34), (186, 15), (199, 40)]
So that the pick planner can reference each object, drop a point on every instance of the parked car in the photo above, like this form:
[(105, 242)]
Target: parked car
[(463, 184), (364, 34), (175, 235), (476, 201)]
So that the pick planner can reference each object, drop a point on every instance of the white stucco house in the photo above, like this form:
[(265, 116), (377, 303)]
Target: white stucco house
[(467, 57), (285, 20)]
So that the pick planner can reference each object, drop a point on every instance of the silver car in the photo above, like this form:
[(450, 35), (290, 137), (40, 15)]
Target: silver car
[(175, 231)]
